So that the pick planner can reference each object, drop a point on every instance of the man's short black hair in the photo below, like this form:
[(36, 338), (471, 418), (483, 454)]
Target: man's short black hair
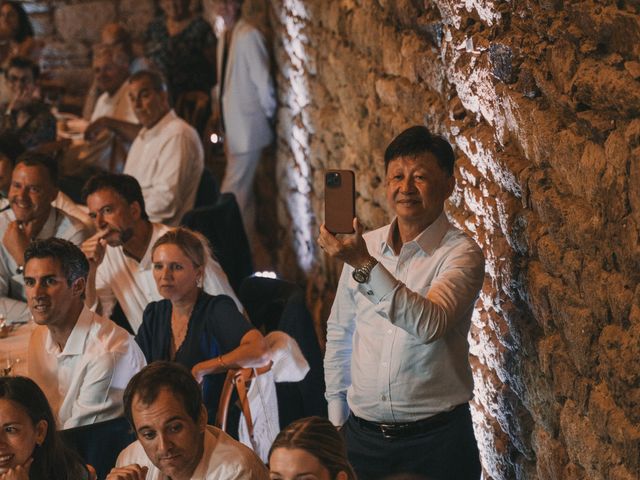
[(24, 63), (10, 146), (124, 185), (156, 79), (416, 141), (37, 159), (74, 264), (172, 376)]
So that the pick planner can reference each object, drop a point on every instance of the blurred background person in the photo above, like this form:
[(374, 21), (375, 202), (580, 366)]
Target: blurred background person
[(16, 39), (182, 46), (25, 115), (31, 447), (245, 100), (202, 332), (310, 448)]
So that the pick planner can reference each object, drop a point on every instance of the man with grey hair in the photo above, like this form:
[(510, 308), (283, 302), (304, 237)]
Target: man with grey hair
[(166, 157), (113, 109)]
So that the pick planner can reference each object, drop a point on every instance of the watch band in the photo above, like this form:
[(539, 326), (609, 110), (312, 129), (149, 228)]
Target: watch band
[(361, 274)]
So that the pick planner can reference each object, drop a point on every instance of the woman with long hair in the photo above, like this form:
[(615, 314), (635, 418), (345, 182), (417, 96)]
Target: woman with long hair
[(30, 448), (310, 446)]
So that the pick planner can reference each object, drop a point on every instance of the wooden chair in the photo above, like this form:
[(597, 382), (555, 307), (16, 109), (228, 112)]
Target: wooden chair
[(240, 379)]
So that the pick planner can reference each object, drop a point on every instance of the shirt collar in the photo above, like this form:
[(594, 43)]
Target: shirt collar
[(49, 228), (77, 338), (428, 240), (209, 445), (158, 127), (156, 232)]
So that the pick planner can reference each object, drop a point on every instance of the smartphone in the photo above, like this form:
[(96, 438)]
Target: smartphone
[(339, 200)]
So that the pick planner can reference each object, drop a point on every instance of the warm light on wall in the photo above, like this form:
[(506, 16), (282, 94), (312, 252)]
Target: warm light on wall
[(297, 178)]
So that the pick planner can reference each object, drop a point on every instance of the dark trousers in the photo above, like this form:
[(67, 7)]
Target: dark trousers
[(448, 451)]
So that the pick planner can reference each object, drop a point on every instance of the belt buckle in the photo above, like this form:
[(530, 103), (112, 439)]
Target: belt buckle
[(388, 430)]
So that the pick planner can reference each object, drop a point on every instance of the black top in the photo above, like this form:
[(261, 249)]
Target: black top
[(182, 58), (215, 328)]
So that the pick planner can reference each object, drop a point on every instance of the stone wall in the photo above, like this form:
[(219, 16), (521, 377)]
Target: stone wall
[(541, 99), (68, 29)]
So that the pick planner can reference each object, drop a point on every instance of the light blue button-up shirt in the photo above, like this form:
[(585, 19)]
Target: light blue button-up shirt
[(397, 348)]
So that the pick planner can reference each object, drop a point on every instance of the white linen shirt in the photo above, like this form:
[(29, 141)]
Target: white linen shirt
[(12, 295), (120, 277), (167, 160), (223, 458), (116, 106), (397, 348), (84, 381)]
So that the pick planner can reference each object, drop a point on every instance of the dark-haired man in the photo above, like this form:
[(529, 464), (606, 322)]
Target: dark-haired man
[(120, 253), (397, 369), (166, 157), (25, 115), (81, 361), (164, 406), (33, 187)]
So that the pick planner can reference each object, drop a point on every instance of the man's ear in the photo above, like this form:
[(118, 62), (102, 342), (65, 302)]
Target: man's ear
[(78, 286), (451, 184), (136, 210), (342, 475)]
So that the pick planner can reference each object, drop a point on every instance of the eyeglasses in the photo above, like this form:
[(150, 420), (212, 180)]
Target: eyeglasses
[(21, 80)]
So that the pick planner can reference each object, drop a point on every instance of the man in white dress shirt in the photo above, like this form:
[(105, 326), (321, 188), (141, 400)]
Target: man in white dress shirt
[(113, 109), (166, 157), (120, 252), (31, 216), (81, 361), (396, 366), (246, 95), (164, 406)]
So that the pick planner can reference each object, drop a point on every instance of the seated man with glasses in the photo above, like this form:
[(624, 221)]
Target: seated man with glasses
[(26, 116)]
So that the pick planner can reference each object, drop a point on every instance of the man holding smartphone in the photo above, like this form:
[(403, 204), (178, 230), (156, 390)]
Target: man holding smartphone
[(396, 365)]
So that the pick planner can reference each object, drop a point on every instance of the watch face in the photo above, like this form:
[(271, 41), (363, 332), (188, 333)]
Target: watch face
[(360, 276)]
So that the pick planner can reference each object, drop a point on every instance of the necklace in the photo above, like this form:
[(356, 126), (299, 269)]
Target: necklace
[(179, 329)]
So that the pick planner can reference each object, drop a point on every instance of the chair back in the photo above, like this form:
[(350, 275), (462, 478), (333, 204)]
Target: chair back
[(100, 444), (222, 225), (240, 379), (208, 190), (194, 108), (280, 305)]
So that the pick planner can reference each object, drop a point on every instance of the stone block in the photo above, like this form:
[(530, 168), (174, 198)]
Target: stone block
[(605, 88), (501, 58), (82, 22), (136, 15)]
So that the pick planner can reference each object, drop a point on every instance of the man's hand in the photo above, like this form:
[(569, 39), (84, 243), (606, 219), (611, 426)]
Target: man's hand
[(16, 239), (21, 472), (129, 472), (96, 127), (350, 248), (95, 247), (22, 99)]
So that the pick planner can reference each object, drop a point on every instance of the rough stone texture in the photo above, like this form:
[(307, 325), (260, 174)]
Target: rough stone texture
[(83, 22), (541, 100), (69, 28)]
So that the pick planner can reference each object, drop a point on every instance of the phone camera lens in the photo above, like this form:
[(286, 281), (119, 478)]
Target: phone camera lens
[(333, 179)]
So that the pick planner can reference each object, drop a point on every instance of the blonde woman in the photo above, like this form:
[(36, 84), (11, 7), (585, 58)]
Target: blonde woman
[(205, 333)]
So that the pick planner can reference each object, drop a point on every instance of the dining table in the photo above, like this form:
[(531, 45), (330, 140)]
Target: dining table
[(13, 349)]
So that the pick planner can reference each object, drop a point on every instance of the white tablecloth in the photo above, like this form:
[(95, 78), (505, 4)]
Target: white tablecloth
[(16, 346)]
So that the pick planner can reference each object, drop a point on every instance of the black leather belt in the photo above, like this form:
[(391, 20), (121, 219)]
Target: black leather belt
[(395, 430)]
